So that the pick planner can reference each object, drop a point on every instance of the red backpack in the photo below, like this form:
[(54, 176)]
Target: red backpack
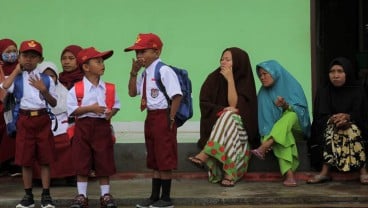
[(109, 100)]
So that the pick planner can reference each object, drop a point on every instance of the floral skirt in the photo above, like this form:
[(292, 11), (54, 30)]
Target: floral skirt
[(344, 149), (227, 148)]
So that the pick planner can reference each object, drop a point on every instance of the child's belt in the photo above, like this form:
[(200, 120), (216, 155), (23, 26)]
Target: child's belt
[(32, 113)]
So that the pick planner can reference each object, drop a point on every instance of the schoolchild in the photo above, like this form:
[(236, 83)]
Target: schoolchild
[(61, 168), (34, 139), (160, 128), (92, 143)]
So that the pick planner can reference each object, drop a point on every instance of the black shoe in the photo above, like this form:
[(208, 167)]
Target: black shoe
[(162, 204), (145, 203), (80, 201), (107, 201), (26, 202), (46, 202)]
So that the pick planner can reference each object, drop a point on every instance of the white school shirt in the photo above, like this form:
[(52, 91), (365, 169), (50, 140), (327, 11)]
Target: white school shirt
[(32, 98), (155, 98), (60, 111), (92, 94)]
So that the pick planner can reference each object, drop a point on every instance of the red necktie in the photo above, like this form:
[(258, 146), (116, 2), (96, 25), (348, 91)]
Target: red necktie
[(144, 97)]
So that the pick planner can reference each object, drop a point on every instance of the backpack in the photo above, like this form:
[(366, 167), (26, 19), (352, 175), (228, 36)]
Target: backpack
[(185, 110), (12, 103), (109, 100)]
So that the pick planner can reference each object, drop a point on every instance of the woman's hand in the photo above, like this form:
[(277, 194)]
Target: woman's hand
[(232, 109), (227, 72), (341, 120), (281, 102)]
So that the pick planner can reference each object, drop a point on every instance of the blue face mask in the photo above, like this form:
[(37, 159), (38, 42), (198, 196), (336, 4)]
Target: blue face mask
[(10, 57)]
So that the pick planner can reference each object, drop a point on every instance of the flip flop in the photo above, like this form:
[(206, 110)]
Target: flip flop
[(258, 154), (318, 179), (290, 182), (364, 179), (196, 161), (227, 182)]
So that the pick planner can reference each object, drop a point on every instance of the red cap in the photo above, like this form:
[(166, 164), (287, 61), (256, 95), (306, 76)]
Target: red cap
[(90, 53), (30, 45), (146, 41)]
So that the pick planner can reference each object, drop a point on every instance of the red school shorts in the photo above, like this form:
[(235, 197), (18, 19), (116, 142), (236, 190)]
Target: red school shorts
[(92, 147), (34, 140), (161, 143)]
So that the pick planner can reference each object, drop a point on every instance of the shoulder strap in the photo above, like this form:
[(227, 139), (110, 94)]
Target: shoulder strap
[(18, 87), (158, 80), (110, 95), (46, 79), (79, 91)]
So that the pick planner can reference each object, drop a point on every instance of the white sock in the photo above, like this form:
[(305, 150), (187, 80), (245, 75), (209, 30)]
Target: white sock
[(105, 189), (82, 188)]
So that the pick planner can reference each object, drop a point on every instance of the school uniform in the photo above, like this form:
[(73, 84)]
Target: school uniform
[(34, 139), (61, 167), (161, 142), (92, 142)]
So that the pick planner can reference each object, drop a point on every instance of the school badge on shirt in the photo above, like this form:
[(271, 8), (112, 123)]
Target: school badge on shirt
[(154, 92)]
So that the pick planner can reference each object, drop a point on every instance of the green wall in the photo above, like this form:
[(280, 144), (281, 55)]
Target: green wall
[(194, 33)]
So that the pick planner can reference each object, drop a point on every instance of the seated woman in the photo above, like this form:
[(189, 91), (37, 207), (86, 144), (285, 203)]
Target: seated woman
[(228, 104), (282, 110), (339, 124)]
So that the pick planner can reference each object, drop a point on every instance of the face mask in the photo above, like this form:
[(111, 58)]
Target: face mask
[(10, 57)]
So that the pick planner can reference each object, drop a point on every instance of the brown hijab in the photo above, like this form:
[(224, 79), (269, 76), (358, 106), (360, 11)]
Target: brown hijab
[(213, 97), (69, 78)]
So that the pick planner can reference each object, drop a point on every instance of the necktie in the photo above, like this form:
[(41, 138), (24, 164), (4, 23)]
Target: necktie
[(144, 96)]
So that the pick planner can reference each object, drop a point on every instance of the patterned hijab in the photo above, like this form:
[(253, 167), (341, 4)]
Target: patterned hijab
[(286, 86), (69, 78), (7, 67)]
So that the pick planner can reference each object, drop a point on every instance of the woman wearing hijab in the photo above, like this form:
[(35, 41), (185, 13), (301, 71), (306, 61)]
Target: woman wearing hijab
[(228, 105), (339, 123), (282, 110), (72, 72), (8, 62)]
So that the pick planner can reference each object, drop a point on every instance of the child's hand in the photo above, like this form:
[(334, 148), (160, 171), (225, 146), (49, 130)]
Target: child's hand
[(37, 83), (99, 110), (108, 114), (136, 65)]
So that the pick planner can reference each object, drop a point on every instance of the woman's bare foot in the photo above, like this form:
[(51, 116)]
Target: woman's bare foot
[(290, 179)]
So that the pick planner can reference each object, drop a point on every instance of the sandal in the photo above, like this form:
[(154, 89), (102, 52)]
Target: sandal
[(318, 179), (227, 182), (196, 161), (290, 182), (364, 179)]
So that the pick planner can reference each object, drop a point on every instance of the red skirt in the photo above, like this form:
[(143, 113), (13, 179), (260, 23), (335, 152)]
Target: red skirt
[(63, 165)]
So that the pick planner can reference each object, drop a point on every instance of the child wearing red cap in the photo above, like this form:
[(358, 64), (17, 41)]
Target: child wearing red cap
[(160, 137), (92, 143), (34, 139)]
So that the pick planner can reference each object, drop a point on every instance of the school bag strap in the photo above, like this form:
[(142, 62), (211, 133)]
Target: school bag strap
[(160, 86), (109, 94)]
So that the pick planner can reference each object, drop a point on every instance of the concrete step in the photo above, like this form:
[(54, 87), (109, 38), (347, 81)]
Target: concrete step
[(131, 157)]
